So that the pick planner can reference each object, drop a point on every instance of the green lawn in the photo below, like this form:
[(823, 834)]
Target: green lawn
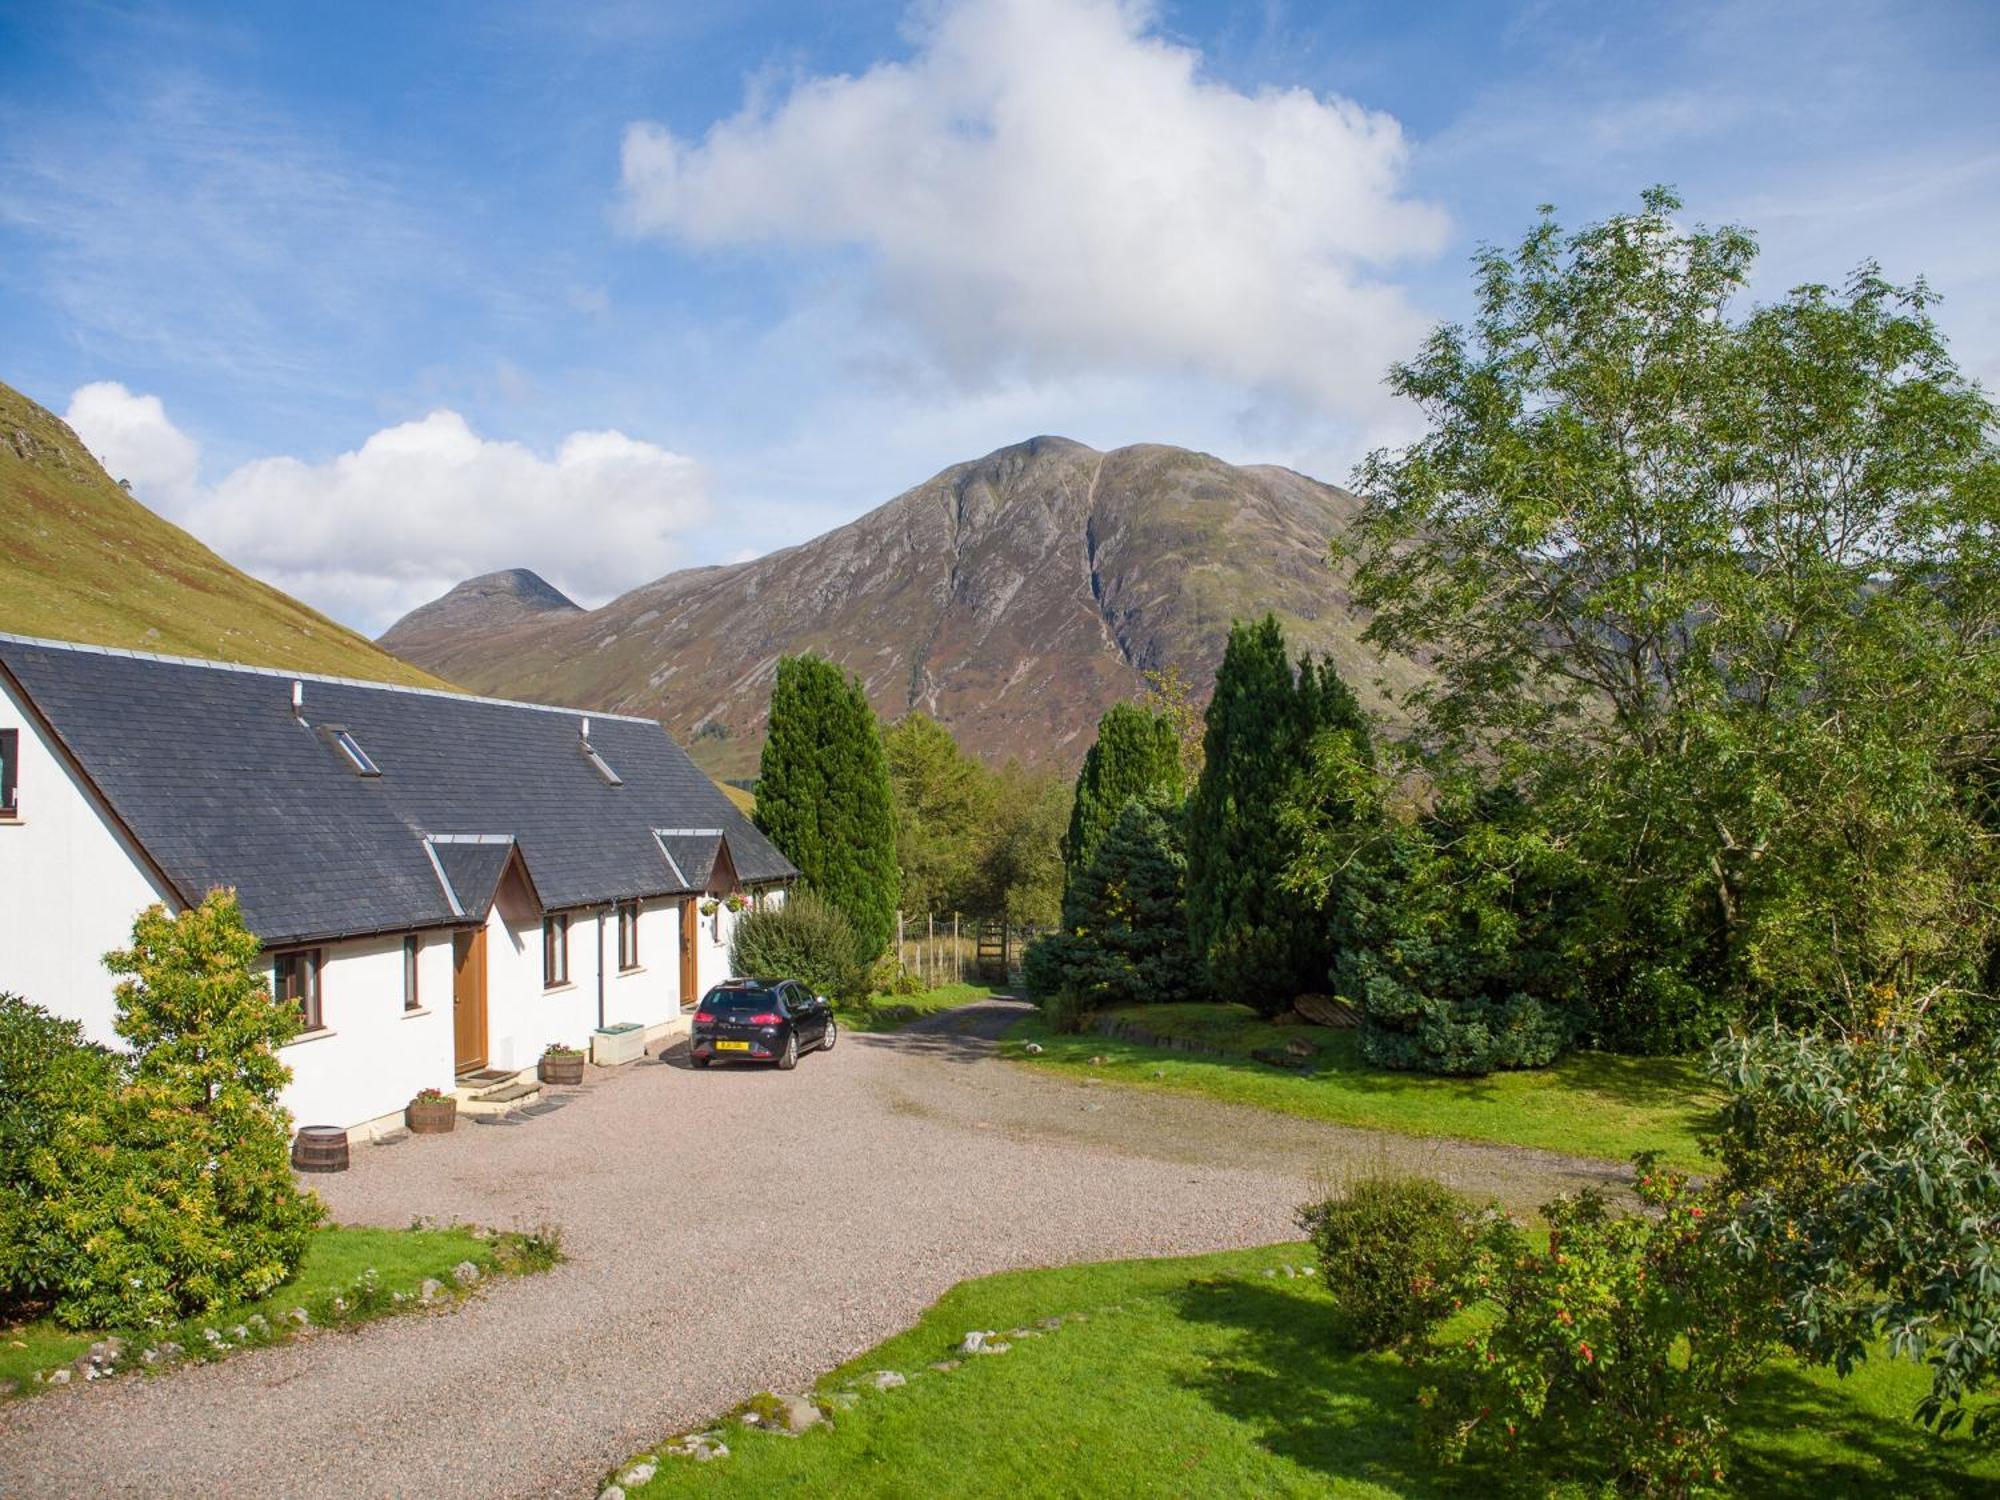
[(888, 1012), (1206, 1376), (335, 1265), (1588, 1104)]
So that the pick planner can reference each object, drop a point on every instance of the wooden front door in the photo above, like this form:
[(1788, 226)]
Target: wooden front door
[(690, 938), (468, 998)]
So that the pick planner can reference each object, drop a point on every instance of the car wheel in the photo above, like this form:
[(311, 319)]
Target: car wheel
[(790, 1059), (699, 1062), (832, 1036)]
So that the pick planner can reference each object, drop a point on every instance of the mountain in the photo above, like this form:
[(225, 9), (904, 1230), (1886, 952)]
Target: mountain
[(447, 626), (81, 560), (1014, 598)]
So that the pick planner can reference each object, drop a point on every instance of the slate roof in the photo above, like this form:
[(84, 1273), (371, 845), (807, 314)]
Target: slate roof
[(470, 867), (692, 852), (220, 784)]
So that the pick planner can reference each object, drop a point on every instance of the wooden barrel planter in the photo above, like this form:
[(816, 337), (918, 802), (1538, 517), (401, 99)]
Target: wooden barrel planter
[(431, 1116), (562, 1069), (320, 1148)]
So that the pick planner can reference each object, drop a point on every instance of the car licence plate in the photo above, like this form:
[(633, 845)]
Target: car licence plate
[(732, 1046)]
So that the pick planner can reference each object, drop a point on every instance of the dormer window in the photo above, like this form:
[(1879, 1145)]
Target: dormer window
[(350, 750), (10, 773)]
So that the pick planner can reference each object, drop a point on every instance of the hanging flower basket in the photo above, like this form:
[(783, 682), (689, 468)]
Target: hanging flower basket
[(433, 1112), (735, 901), (710, 907)]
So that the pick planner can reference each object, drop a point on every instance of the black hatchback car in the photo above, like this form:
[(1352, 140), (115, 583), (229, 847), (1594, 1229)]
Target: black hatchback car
[(761, 1020)]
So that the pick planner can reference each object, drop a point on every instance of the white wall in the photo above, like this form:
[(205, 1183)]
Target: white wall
[(651, 993), (372, 1056), (712, 954), (70, 885)]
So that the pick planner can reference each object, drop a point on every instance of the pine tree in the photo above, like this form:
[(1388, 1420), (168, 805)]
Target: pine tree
[(1127, 942), (1136, 754), (823, 794), (1259, 942)]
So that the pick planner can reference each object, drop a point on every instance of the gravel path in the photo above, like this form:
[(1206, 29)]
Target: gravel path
[(728, 1231)]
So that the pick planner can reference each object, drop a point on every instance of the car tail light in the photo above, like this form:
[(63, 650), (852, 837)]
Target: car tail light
[(703, 1018), (767, 1019)]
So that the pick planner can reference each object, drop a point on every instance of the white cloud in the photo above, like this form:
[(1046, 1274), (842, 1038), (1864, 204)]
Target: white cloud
[(413, 510), (1051, 186), (135, 441)]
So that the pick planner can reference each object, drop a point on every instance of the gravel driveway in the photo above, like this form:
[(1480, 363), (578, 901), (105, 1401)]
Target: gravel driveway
[(728, 1231)]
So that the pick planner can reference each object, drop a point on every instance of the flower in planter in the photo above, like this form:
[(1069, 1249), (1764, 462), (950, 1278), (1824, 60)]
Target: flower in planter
[(557, 1052), (430, 1096)]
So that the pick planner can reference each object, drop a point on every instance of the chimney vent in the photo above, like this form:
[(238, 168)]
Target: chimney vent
[(298, 700), (586, 727)]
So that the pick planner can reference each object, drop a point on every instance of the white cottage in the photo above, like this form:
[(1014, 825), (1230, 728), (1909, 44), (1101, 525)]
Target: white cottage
[(443, 884)]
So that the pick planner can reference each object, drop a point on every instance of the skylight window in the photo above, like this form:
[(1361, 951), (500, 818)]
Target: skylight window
[(350, 747), (601, 766)]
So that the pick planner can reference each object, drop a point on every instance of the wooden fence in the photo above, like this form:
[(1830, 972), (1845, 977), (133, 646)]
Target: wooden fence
[(936, 949)]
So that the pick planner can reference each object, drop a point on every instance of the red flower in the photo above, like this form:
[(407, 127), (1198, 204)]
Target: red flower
[(1584, 1349)]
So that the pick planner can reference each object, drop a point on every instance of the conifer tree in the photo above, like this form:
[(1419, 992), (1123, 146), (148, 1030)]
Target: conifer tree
[(1259, 942), (823, 794), (1126, 939), (1136, 755)]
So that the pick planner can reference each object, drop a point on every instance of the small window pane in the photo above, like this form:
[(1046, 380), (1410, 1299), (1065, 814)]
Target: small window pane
[(555, 951), (295, 981), (10, 771), (628, 935), (411, 947), (351, 748)]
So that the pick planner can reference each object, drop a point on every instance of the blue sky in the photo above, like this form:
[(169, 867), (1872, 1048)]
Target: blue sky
[(374, 297)]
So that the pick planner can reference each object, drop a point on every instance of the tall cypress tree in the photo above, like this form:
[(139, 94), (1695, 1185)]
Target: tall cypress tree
[(1136, 755), (1260, 943), (823, 794)]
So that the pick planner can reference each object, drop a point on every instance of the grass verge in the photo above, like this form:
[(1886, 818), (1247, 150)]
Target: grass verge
[(1213, 1376), (348, 1276), (888, 1012), (1587, 1104)]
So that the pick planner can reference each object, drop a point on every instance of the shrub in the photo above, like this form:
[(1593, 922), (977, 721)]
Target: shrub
[(49, 1075), (1396, 1253), (1462, 938), (807, 938), (179, 1196), (1067, 1011), (1616, 1353), (1866, 1175)]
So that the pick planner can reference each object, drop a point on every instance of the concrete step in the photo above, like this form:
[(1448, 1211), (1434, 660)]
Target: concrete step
[(494, 1092)]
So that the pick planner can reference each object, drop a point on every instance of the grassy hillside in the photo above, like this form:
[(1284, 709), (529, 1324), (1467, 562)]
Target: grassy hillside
[(83, 561)]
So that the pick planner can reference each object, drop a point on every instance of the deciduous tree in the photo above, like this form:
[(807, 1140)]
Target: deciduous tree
[(1720, 593)]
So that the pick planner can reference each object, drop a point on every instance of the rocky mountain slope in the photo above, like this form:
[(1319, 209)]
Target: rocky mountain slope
[(1014, 598), (478, 607), (81, 560)]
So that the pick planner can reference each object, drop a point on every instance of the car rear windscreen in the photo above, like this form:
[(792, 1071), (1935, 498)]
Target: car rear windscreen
[(741, 1000)]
